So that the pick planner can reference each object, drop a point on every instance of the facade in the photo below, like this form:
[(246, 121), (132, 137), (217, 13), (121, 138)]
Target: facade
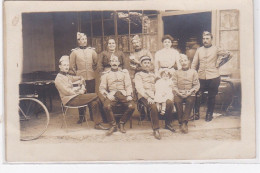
[(48, 36)]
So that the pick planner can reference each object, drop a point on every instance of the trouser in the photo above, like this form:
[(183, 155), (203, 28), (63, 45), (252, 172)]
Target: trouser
[(152, 109), (119, 99), (93, 102), (210, 85), (90, 88), (189, 104)]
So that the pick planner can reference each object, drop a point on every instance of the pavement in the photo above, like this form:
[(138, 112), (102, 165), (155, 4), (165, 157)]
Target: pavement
[(224, 126)]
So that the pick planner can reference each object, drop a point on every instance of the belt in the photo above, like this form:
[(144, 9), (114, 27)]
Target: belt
[(167, 67)]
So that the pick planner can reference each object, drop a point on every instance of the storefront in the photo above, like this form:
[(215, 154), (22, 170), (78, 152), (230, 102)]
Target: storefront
[(48, 36)]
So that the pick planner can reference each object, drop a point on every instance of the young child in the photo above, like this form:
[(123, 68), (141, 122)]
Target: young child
[(163, 90)]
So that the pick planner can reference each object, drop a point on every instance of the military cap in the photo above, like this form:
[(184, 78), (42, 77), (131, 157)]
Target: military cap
[(145, 58), (136, 37), (207, 33), (80, 35), (113, 57)]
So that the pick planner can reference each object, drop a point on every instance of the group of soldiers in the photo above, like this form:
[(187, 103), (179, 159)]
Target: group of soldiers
[(124, 84)]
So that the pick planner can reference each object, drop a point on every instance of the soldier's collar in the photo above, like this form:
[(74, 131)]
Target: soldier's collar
[(185, 69), (114, 70), (208, 46), (145, 71), (63, 73), (83, 47), (138, 50)]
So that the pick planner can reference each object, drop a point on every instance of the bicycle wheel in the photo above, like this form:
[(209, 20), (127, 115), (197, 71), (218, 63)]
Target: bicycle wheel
[(34, 118)]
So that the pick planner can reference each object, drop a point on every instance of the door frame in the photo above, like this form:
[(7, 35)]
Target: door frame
[(214, 23)]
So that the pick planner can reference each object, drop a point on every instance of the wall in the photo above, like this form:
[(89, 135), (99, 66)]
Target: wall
[(229, 40), (38, 44), (65, 27)]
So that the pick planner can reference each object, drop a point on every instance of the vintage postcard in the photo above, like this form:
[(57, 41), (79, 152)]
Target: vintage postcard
[(105, 81)]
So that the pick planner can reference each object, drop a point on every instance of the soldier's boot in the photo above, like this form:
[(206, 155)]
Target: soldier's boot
[(209, 116), (156, 134), (82, 119), (112, 129), (185, 127), (122, 128)]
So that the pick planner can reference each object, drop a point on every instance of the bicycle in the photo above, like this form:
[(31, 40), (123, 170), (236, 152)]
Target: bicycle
[(34, 117)]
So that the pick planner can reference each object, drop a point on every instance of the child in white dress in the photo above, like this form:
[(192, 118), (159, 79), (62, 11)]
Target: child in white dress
[(163, 90)]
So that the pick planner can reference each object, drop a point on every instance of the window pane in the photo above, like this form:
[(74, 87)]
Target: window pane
[(97, 28), (135, 22), (85, 16), (109, 28), (150, 24), (123, 26), (108, 15), (96, 15), (123, 42), (96, 43), (150, 12)]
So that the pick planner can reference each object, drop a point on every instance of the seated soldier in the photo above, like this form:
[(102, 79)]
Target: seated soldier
[(145, 86), (72, 89), (116, 88), (185, 85)]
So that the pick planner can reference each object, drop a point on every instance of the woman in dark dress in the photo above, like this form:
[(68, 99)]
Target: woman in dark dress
[(104, 57)]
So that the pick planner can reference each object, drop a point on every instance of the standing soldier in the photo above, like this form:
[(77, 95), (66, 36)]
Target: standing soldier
[(116, 88), (135, 56), (83, 62), (206, 57)]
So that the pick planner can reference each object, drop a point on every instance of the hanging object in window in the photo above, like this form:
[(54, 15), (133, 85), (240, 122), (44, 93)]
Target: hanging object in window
[(146, 24)]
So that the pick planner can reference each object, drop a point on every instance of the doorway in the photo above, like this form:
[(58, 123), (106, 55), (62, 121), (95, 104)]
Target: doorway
[(187, 29)]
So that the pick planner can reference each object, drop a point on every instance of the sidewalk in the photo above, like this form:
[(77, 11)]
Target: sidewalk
[(222, 127)]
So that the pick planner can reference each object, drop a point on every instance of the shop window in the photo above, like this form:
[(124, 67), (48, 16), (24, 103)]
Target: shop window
[(135, 22), (109, 27), (96, 15), (108, 15), (97, 28)]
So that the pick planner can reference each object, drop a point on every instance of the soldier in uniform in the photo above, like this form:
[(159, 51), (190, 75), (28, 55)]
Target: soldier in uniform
[(185, 86), (145, 86), (83, 62), (207, 58), (72, 89), (116, 88), (135, 56)]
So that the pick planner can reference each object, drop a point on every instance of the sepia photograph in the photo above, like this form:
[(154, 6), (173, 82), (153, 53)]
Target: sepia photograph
[(128, 81)]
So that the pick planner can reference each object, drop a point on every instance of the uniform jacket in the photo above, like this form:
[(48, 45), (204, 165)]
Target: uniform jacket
[(83, 62), (145, 84), (135, 64), (207, 60), (64, 84), (184, 80), (113, 81), (104, 60)]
